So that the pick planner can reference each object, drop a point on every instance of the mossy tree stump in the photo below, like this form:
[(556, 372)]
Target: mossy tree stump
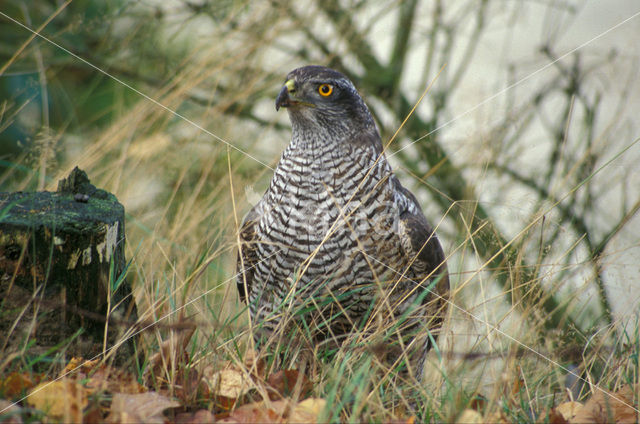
[(62, 268)]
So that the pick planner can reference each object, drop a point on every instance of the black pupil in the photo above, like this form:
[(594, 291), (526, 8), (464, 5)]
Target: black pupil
[(325, 89)]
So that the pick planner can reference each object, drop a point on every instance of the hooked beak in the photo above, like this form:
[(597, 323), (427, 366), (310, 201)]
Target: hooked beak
[(287, 96), (283, 99)]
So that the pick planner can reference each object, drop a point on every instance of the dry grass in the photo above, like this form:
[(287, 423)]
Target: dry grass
[(191, 150)]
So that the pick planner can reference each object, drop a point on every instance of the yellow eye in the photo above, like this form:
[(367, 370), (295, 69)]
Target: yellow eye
[(325, 90)]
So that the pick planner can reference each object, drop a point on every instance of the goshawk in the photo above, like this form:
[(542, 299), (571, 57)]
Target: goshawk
[(337, 246)]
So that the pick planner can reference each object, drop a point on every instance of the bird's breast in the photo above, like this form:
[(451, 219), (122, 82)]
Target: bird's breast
[(325, 209)]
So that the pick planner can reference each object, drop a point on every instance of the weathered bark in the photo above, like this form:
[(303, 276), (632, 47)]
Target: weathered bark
[(62, 267)]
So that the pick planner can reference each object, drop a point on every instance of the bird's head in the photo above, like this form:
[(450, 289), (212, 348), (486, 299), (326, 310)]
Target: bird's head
[(322, 99)]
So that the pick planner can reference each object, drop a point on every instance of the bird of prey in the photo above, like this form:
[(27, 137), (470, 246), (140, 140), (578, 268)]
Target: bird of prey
[(337, 245)]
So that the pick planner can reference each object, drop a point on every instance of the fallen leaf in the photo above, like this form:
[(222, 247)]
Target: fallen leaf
[(231, 383), (281, 411), (470, 416), (553, 417), (93, 414), (289, 383), (15, 385), (139, 408), (256, 412), (308, 410), (202, 416), (567, 411), (227, 386), (62, 399), (605, 407), (77, 365)]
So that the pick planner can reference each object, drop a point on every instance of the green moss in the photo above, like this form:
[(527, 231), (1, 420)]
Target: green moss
[(58, 210)]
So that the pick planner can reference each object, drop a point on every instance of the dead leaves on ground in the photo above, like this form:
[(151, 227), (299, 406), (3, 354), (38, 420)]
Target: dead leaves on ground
[(63, 399), (237, 395), (285, 396), (288, 383), (66, 400), (280, 411), (15, 385), (140, 408), (74, 395), (91, 391), (603, 407)]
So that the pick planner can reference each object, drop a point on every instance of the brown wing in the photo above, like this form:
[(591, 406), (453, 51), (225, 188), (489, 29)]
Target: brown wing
[(424, 249), (247, 253)]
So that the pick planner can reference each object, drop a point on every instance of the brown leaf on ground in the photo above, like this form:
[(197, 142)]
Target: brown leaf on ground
[(10, 413), (15, 385), (140, 408), (78, 365), (62, 399), (470, 416), (554, 417), (202, 416), (564, 412), (231, 383), (495, 418), (606, 407), (289, 383), (308, 410), (227, 386), (281, 411), (251, 413), (93, 415)]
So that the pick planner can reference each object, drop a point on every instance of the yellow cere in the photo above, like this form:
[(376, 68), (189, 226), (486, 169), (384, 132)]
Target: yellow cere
[(291, 85)]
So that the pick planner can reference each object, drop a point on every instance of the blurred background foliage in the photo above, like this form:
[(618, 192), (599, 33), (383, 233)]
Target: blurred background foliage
[(171, 109)]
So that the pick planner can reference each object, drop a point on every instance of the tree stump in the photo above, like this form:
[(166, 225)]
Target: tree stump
[(62, 269)]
